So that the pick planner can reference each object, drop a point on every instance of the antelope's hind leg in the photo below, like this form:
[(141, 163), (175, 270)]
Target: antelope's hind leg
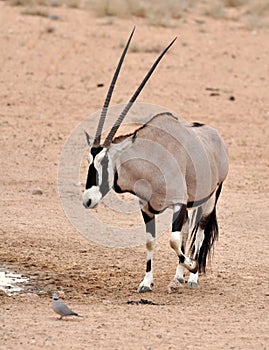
[(193, 278), (180, 271), (180, 226), (149, 219)]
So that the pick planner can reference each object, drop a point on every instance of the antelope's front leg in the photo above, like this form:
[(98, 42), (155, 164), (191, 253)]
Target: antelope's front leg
[(147, 282), (180, 218)]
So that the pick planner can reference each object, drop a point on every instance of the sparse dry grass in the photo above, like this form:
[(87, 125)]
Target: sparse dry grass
[(46, 3), (260, 8), (256, 15), (215, 9), (252, 14), (35, 11), (235, 3), (161, 13), (140, 48)]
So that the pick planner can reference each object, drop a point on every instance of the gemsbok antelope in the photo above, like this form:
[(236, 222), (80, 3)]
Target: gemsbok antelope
[(166, 163)]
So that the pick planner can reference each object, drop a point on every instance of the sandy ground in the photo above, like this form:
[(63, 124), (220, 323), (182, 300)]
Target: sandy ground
[(50, 71)]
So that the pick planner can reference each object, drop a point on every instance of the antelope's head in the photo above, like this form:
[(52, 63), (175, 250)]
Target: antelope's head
[(102, 157), (101, 170)]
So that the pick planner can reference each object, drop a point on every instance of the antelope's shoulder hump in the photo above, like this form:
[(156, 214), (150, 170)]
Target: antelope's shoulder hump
[(157, 121)]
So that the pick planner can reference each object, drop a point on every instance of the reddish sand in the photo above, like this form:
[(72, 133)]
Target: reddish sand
[(48, 84)]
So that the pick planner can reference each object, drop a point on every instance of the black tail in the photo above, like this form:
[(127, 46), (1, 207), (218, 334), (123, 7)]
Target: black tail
[(211, 233)]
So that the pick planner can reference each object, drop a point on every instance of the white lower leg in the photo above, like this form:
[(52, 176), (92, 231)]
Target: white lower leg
[(180, 273), (187, 262), (198, 241), (175, 242), (147, 282), (193, 280)]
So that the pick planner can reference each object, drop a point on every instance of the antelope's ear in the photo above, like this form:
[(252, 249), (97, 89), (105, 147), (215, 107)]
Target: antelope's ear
[(89, 139), (117, 149)]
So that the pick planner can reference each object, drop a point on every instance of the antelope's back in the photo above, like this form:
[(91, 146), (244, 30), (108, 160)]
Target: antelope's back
[(172, 161)]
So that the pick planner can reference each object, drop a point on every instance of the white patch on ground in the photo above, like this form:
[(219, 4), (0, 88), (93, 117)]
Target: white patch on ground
[(9, 282)]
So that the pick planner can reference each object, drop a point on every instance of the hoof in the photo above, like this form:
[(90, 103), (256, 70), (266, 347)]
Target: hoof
[(193, 285), (144, 289), (174, 286)]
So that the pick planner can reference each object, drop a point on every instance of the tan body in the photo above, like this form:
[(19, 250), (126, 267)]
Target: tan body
[(172, 162)]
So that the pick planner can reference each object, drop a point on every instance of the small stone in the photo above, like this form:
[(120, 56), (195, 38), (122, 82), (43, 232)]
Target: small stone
[(2, 293), (53, 17), (37, 192)]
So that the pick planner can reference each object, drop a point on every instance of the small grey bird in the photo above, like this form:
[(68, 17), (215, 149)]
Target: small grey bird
[(60, 308)]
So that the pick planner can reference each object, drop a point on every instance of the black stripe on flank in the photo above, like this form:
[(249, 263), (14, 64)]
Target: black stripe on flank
[(199, 202), (153, 211)]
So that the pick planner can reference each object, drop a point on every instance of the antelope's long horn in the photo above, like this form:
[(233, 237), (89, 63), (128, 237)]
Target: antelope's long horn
[(126, 109), (109, 93)]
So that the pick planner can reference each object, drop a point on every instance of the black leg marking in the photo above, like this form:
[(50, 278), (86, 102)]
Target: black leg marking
[(148, 269), (149, 222), (179, 218), (181, 259)]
